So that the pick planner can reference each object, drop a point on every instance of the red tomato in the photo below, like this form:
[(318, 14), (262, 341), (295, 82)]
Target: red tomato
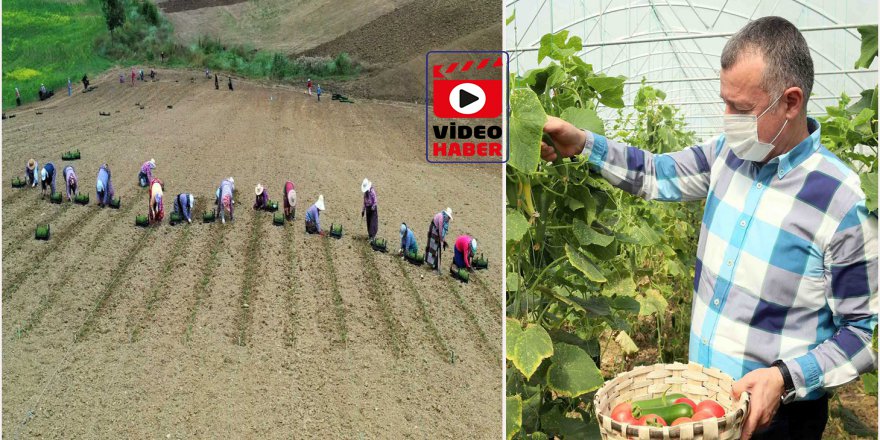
[(622, 413), (652, 419), (711, 406), (681, 420), (688, 401), (700, 415)]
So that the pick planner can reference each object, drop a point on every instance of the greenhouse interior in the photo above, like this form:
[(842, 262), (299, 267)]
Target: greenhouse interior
[(675, 45)]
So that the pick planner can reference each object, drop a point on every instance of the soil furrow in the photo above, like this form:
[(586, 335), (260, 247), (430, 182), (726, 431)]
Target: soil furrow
[(213, 247), (159, 292), (440, 344), (338, 306), (116, 277), (250, 278), (380, 297), (487, 347)]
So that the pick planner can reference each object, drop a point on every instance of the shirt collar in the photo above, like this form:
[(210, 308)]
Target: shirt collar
[(794, 157)]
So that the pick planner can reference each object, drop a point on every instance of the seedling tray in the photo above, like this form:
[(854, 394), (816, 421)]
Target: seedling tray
[(42, 232)]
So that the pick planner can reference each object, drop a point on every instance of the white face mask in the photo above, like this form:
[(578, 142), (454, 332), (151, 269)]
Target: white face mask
[(741, 133)]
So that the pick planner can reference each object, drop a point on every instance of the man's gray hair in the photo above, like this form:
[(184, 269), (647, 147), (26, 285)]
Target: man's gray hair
[(785, 51)]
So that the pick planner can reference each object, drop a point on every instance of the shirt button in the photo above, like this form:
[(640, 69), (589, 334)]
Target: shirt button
[(742, 223), (730, 262), (705, 341), (716, 302), (759, 185)]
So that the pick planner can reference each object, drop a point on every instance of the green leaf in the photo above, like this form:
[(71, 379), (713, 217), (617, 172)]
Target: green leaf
[(584, 118), (625, 286), (513, 330), (572, 372), (604, 83), (645, 235), (869, 46), (869, 380), (612, 98), (626, 304), (869, 186), (511, 18), (538, 436), (595, 305), (557, 48), (527, 120), (587, 235), (532, 346), (517, 225), (591, 346), (582, 263), (514, 416), (652, 302), (555, 422)]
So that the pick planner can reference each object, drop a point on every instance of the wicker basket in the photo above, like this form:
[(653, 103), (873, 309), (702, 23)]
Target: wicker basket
[(693, 380)]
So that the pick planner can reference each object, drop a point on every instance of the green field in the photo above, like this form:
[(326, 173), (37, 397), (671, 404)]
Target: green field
[(47, 41)]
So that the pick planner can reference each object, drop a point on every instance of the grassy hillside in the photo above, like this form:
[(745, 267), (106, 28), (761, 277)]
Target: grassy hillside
[(47, 41)]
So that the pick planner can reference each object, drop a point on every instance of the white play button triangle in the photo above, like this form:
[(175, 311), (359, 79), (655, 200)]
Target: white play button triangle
[(467, 98)]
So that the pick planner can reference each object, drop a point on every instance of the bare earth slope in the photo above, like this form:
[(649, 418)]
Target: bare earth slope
[(243, 330)]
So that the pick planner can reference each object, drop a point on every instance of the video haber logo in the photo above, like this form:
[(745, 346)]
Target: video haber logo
[(455, 98)]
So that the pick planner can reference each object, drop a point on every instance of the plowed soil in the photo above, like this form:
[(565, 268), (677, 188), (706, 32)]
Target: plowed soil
[(243, 330)]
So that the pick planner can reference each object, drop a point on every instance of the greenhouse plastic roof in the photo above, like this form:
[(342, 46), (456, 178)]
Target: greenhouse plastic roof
[(683, 42)]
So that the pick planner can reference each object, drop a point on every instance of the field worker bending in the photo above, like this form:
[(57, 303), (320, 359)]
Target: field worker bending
[(224, 199), (145, 176), (313, 217), (47, 179), (157, 209), (30, 172), (289, 200), (370, 209), (319, 91), (465, 250), (71, 182), (104, 186), (437, 238), (785, 292), (408, 243), (262, 197), (183, 205)]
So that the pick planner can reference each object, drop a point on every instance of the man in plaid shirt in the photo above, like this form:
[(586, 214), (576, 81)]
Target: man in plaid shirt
[(785, 292)]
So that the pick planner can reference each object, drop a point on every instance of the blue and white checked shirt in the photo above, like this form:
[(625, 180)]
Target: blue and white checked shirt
[(787, 259)]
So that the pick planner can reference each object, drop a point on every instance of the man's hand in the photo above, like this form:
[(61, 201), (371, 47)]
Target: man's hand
[(568, 139), (765, 387)]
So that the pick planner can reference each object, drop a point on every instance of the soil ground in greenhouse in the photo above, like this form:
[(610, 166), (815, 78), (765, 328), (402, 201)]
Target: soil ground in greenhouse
[(235, 331)]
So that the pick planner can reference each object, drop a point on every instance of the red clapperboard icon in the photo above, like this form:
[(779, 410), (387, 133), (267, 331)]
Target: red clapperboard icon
[(465, 98)]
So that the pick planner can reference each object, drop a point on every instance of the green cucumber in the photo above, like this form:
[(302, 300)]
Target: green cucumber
[(662, 401), (669, 413)]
